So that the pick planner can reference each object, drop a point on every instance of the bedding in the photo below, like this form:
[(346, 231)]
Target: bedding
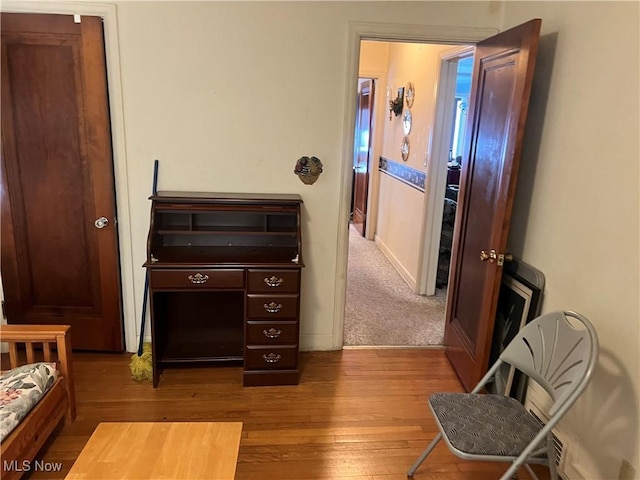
[(20, 389)]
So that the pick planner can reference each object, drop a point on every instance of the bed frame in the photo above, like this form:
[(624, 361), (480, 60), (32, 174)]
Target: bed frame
[(24, 442)]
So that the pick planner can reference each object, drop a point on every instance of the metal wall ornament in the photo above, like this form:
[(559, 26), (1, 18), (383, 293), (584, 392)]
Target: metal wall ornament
[(308, 169), (405, 148), (396, 104), (410, 94)]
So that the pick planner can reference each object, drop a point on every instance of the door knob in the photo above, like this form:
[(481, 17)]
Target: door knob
[(101, 222), (494, 256)]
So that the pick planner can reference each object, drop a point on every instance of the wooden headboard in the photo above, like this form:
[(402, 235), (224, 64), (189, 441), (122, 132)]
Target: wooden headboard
[(44, 335)]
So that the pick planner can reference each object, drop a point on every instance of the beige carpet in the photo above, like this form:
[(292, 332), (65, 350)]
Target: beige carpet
[(381, 309)]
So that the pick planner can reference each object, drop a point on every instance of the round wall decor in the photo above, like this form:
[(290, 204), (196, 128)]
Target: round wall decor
[(406, 122), (308, 169), (409, 94), (404, 149)]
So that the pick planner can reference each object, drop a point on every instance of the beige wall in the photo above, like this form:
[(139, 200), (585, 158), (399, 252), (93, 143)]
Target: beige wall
[(374, 59), (400, 206), (419, 64), (576, 215), (374, 63)]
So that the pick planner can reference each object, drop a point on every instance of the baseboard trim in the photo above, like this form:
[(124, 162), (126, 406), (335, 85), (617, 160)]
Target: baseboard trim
[(404, 273), (393, 347)]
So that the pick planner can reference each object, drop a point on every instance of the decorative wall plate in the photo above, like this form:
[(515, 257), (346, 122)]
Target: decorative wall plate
[(404, 149), (406, 122), (308, 169), (409, 94)]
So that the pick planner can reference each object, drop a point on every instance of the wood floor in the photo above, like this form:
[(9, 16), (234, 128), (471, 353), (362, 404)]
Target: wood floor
[(356, 415)]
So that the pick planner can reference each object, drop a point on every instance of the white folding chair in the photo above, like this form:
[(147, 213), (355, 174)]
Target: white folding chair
[(560, 355)]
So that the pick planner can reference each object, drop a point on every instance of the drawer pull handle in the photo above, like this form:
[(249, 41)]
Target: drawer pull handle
[(273, 307), (272, 333), (198, 278), (272, 357), (273, 281)]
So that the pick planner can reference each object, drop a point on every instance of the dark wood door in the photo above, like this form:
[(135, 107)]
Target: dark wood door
[(58, 266), (361, 155), (502, 77)]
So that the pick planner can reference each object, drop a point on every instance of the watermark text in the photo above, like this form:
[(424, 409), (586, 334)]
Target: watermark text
[(30, 466)]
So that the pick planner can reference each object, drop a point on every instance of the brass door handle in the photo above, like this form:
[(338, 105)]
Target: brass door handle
[(494, 256)]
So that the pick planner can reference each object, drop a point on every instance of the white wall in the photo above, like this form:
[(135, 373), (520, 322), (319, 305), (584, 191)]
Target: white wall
[(576, 215), (229, 95)]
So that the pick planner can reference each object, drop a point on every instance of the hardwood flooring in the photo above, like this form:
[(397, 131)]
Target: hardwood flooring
[(356, 415)]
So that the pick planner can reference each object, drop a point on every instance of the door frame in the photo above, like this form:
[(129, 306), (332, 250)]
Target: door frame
[(436, 181), (357, 31), (112, 54), (377, 119), (370, 151)]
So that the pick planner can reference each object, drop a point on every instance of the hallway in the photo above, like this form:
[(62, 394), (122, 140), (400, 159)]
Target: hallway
[(381, 309)]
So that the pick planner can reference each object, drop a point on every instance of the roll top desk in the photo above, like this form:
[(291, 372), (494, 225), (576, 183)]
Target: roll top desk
[(224, 283)]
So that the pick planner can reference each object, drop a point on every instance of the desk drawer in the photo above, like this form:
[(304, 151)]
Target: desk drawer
[(271, 333), (270, 358), (273, 281), (272, 306), (197, 279)]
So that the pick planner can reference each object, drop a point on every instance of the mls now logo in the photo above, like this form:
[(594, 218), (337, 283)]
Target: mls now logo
[(28, 466)]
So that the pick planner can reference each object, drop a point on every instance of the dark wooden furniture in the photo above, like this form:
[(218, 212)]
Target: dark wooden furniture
[(20, 447), (225, 283)]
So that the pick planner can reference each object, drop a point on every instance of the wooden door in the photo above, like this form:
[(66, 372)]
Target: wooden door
[(361, 155), (502, 77), (58, 265)]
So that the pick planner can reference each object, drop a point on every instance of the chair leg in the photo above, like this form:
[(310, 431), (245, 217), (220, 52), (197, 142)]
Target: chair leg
[(551, 457), (524, 455), (424, 455), (513, 469), (531, 472)]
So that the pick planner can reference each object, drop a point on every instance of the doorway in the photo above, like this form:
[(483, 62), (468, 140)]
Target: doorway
[(385, 301)]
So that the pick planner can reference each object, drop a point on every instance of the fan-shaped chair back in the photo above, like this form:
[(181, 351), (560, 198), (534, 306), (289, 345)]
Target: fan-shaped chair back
[(556, 354)]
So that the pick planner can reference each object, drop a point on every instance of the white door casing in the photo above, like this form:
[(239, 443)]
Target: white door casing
[(383, 32)]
